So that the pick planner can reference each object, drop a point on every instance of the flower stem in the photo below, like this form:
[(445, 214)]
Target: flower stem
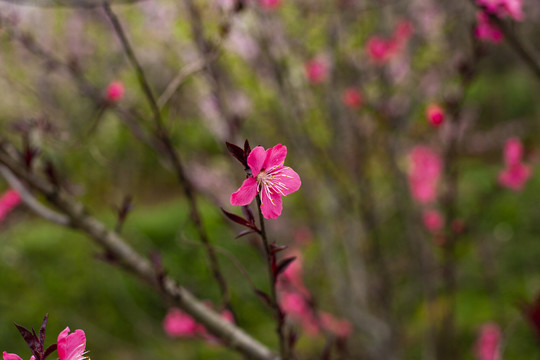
[(280, 318)]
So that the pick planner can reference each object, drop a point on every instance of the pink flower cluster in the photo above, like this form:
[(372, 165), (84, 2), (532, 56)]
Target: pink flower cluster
[(352, 97), (69, 346), (502, 8), (295, 301), (9, 200), (487, 31), (515, 174), (487, 345), (380, 50), (178, 324)]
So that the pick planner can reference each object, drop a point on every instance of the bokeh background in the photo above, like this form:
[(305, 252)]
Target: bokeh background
[(276, 72)]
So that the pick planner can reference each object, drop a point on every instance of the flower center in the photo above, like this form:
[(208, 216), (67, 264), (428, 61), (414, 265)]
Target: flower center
[(270, 182)]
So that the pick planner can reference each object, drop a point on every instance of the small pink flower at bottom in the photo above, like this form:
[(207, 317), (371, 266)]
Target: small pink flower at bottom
[(71, 346), (435, 114), (115, 91), (179, 324), (269, 178), (515, 176), (433, 220), (8, 356), (8, 201), (486, 31), (487, 345), (352, 97)]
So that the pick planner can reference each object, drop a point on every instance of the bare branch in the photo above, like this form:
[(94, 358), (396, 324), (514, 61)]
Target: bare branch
[(85, 4)]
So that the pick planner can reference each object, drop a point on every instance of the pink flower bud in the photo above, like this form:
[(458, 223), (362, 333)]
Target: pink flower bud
[(115, 91), (352, 97), (435, 114), (487, 345), (433, 220), (8, 201), (179, 324)]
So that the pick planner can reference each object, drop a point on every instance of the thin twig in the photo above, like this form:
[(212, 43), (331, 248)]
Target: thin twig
[(31, 201), (168, 149)]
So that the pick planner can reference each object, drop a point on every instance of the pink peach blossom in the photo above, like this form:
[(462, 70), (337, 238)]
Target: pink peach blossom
[(424, 174), (115, 91), (487, 345), (380, 50), (513, 151), (433, 220), (502, 8), (340, 328), (435, 114), (269, 178), (71, 346), (403, 31), (486, 31), (9, 200), (352, 97), (8, 356), (317, 70), (179, 324), (515, 176)]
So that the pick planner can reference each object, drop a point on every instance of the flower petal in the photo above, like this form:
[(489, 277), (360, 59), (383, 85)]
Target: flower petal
[(246, 193), (71, 347), (275, 156), (271, 204), (8, 356), (256, 159), (290, 180)]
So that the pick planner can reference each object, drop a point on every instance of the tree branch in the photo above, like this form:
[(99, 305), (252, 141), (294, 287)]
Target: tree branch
[(230, 334)]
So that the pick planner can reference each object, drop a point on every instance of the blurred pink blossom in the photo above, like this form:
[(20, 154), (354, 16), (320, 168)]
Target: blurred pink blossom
[(424, 174), (435, 114), (71, 346), (352, 97), (317, 69), (487, 345), (115, 91), (515, 174), (379, 50), (270, 4), (8, 356), (433, 220), (340, 328), (513, 151), (8, 201), (485, 30), (179, 324), (501, 8)]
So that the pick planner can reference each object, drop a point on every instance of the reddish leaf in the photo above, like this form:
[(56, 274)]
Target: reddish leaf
[(30, 339), (248, 214), (265, 298), (238, 219), (237, 152), (274, 248), (247, 148), (284, 264), (243, 233), (49, 351), (42, 333)]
